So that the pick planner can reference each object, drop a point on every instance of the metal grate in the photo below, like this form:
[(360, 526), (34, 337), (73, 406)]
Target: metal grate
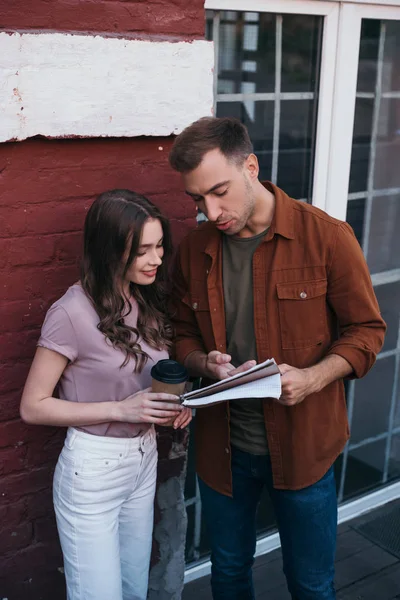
[(384, 529)]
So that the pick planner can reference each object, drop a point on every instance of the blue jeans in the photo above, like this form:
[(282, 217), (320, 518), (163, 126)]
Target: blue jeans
[(307, 521)]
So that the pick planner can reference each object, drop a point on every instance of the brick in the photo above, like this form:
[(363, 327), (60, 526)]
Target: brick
[(12, 460), (13, 376), (9, 405), (39, 250), (14, 486), (42, 171), (16, 433), (164, 17), (180, 229), (68, 247), (45, 529), (39, 504), (41, 219), (175, 204), (15, 538), (48, 585), (13, 514), (22, 314), (44, 450), (18, 346), (33, 284), (31, 560)]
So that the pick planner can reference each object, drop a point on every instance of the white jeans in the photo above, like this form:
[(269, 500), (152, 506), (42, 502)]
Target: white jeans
[(103, 493)]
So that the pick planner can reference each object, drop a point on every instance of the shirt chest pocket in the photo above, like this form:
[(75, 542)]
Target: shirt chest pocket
[(197, 298), (198, 304), (302, 313)]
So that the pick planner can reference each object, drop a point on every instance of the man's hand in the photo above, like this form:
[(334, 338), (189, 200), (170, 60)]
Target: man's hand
[(296, 385), (219, 365)]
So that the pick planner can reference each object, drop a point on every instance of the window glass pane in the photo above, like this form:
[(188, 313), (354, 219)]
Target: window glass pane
[(394, 460), (365, 468), (361, 145), (372, 400), (396, 423), (258, 116), (355, 217), (391, 57), (246, 53), (387, 159), (295, 147), (367, 65), (389, 302), (301, 41), (384, 234)]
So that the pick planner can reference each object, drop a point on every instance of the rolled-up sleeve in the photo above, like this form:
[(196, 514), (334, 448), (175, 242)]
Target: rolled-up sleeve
[(187, 337), (58, 333), (352, 298)]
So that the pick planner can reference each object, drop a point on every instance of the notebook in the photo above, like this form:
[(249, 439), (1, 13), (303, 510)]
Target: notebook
[(261, 381)]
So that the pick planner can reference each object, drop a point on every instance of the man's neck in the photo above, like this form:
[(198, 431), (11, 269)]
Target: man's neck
[(263, 212)]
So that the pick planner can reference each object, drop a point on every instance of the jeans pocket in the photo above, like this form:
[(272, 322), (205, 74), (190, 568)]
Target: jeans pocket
[(92, 467)]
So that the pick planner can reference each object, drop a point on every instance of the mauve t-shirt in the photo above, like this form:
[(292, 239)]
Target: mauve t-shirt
[(94, 372)]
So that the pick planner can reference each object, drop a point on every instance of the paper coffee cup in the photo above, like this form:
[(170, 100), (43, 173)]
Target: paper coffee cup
[(169, 376)]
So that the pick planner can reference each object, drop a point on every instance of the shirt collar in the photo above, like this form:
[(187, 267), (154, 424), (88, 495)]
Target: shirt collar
[(282, 221)]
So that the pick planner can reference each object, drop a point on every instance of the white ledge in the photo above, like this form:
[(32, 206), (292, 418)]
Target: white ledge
[(64, 85)]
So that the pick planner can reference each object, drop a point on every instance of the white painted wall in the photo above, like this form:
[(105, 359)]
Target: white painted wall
[(58, 85)]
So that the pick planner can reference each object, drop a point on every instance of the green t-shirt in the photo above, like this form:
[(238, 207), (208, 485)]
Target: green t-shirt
[(247, 426)]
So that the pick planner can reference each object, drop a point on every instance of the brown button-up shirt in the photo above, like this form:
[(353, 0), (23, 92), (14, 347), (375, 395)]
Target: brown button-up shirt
[(312, 297)]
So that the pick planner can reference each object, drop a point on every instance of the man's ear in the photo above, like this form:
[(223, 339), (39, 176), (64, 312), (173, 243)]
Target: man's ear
[(252, 167)]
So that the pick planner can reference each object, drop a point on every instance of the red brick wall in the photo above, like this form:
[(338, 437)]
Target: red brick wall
[(46, 188), (181, 18)]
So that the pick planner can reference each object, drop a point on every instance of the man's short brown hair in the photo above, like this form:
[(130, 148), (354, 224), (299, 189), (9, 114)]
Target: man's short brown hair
[(227, 134)]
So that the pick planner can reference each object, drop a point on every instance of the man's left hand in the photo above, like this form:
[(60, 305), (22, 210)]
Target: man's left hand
[(296, 385)]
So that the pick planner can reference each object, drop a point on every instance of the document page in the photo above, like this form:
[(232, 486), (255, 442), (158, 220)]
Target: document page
[(261, 381)]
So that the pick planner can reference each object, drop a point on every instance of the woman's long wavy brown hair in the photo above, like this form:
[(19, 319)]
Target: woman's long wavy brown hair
[(115, 220)]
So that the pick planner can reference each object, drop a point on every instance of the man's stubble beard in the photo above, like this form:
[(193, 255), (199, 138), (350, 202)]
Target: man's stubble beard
[(249, 205)]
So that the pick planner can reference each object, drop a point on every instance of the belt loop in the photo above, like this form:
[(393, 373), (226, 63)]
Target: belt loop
[(70, 438)]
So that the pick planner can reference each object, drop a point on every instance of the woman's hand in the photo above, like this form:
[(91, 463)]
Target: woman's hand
[(149, 407), (183, 419)]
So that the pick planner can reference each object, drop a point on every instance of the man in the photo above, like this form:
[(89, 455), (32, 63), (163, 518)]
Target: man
[(268, 276)]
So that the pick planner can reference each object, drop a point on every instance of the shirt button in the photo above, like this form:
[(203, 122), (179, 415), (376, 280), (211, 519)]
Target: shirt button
[(194, 305), (227, 450), (303, 295)]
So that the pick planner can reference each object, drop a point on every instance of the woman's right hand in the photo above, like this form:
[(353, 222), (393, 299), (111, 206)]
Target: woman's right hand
[(149, 407)]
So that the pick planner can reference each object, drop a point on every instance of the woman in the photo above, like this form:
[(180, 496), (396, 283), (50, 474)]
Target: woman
[(99, 341)]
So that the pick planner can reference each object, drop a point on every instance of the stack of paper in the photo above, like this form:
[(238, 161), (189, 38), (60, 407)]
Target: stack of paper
[(261, 381)]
